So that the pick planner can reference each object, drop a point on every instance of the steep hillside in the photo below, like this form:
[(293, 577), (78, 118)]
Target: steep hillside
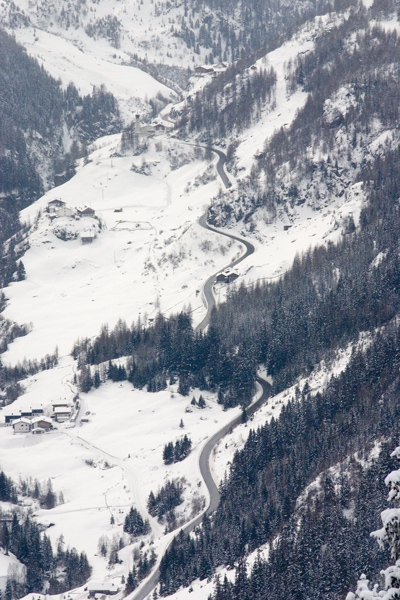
[(334, 140), (183, 34), (43, 128), (112, 285)]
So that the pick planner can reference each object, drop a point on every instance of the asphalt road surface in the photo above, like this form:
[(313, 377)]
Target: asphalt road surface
[(208, 286)]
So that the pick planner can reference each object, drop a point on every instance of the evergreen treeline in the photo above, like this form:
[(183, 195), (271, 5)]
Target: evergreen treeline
[(281, 458), (321, 551), (240, 101), (62, 570), (22, 536), (11, 376), (325, 150), (8, 491), (140, 570), (331, 294), (33, 112), (232, 29), (171, 348)]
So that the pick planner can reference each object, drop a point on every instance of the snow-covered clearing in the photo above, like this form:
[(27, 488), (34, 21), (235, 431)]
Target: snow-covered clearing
[(112, 462)]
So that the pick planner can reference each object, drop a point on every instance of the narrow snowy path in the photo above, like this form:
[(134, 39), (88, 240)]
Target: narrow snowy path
[(129, 476)]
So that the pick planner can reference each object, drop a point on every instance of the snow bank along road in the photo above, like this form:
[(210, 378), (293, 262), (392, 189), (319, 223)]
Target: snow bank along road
[(204, 459)]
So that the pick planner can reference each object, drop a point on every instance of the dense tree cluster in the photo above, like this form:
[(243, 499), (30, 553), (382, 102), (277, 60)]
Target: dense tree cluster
[(331, 294), (169, 497), (281, 458), (328, 144), (10, 377), (134, 523), (389, 536), (8, 491), (108, 27), (61, 571), (171, 348), (229, 30), (229, 104), (357, 407), (173, 453), (140, 570)]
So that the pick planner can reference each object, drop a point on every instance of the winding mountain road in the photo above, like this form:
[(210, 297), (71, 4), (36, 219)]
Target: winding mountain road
[(204, 459), (208, 295)]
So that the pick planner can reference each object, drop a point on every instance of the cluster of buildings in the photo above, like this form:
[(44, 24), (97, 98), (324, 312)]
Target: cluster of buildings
[(33, 420), (58, 208), (210, 69)]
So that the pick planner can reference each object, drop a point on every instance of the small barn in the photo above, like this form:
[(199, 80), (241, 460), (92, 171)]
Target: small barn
[(87, 237), (226, 276), (98, 589), (86, 212), (22, 425), (38, 431)]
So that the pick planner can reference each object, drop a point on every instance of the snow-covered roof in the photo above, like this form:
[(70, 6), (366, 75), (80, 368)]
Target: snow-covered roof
[(22, 420), (58, 410), (41, 420), (95, 586)]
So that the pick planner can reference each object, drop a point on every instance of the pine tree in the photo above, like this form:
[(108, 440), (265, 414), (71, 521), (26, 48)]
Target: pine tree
[(168, 453), (388, 535), (134, 523)]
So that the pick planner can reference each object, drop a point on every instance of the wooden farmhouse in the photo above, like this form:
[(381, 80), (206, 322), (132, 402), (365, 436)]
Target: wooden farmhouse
[(97, 589), (64, 211), (42, 424), (204, 70)]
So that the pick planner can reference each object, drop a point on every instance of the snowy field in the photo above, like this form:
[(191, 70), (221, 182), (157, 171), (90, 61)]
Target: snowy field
[(118, 456)]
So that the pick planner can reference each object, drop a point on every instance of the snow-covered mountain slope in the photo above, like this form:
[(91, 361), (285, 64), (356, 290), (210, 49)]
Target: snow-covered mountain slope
[(87, 63), (126, 28), (145, 252)]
